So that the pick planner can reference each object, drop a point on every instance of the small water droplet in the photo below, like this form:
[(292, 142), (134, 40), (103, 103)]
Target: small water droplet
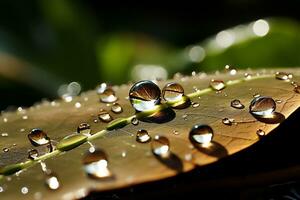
[(278, 101), (33, 154), (123, 154), (96, 164), (173, 92), (160, 146), (188, 157), (96, 121), (282, 76), (142, 136), (227, 121), (247, 76), (217, 85), (22, 129), (237, 104), (134, 121), (5, 150), (84, 128), (4, 134), (201, 134), (104, 116), (108, 96), (24, 190), (232, 71), (262, 106), (77, 105), (1, 189), (256, 95), (38, 137), (52, 181), (195, 104), (5, 119), (116, 108), (144, 95), (24, 117), (260, 133), (185, 116), (175, 132), (67, 98)]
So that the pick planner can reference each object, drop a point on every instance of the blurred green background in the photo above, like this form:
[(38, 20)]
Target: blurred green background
[(48, 43)]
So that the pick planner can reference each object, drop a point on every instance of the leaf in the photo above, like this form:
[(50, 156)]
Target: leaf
[(132, 162)]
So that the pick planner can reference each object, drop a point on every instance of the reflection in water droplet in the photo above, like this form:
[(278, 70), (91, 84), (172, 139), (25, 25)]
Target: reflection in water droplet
[(237, 104), (52, 181), (173, 92), (227, 121), (33, 154), (135, 121), (217, 85), (201, 134), (142, 136), (160, 146), (144, 95), (282, 76), (24, 190), (195, 104), (262, 106), (116, 108), (37, 137), (5, 150), (96, 164), (84, 128), (108, 96), (104, 116), (260, 133), (101, 88)]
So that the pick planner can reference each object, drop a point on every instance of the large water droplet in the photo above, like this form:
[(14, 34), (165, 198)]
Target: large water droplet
[(142, 136), (144, 95), (52, 181), (160, 146), (201, 134), (282, 76), (173, 92), (237, 104), (108, 96), (217, 85), (262, 106), (116, 108), (33, 154), (84, 128), (96, 164), (38, 137), (104, 116)]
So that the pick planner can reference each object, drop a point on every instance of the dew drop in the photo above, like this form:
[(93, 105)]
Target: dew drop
[(5, 150), (160, 146), (135, 121), (175, 132), (5, 119), (25, 117), (278, 101), (33, 154), (38, 137), (52, 181), (24, 190), (144, 95), (108, 96), (217, 85), (237, 104), (247, 76), (84, 128), (195, 104), (260, 133), (232, 71), (4, 134), (104, 116), (116, 108), (123, 154), (96, 121), (185, 116), (96, 164), (256, 95), (77, 105), (262, 106), (201, 134), (282, 76), (227, 121), (142, 136), (173, 92)]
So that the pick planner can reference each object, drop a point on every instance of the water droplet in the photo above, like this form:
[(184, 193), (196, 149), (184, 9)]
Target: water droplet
[(201, 134), (135, 121), (256, 95), (108, 96), (297, 89), (5, 120), (116, 108), (77, 105), (260, 133), (262, 106), (33, 154), (160, 146), (5, 150), (104, 116), (144, 95), (247, 76), (96, 164), (24, 190), (37, 137), (227, 121), (52, 181), (173, 92), (185, 116), (278, 101), (84, 128), (96, 121), (142, 136), (123, 154), (282, 76), (188, 157), (4, 134), (175, 132), (195, 104), (232, 71), (217, 85), (237, 104), (24, 117)]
